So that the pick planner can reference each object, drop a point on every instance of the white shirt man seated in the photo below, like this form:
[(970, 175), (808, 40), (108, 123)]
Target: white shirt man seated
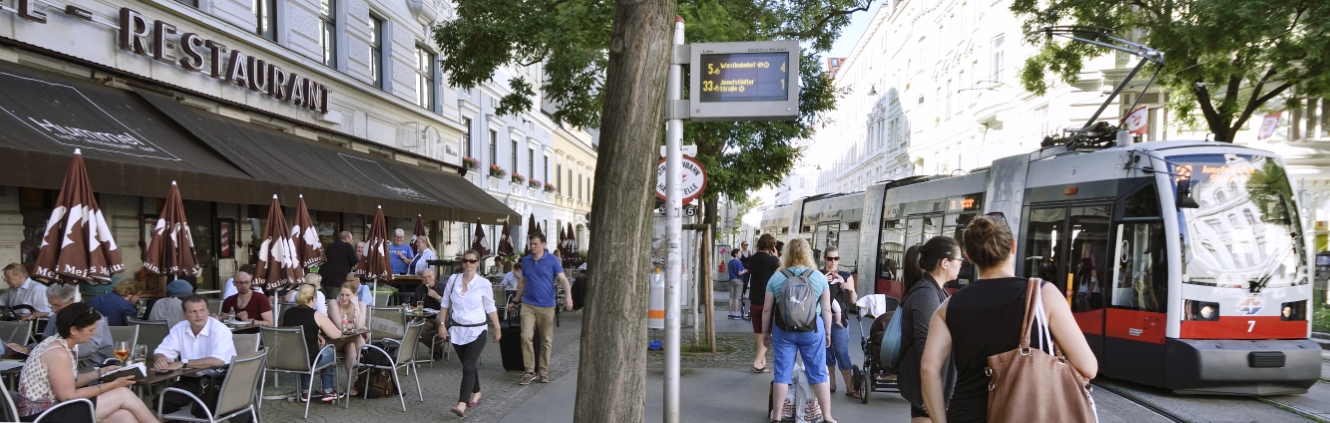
[(23, 291), (197, 342)]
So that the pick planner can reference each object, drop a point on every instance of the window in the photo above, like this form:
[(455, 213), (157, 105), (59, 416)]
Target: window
[(191, 3), (530, 162), (494, 147), (999, 55), (424, 78), (570, 183), (558, 173), (265, 14), (328, 36), (1140, 277), (546, 167), (514, 168), (579, 187), (467, 140), (376, 50), (949, 109)]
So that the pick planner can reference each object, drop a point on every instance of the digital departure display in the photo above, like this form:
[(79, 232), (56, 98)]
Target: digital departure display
[(740, 77)]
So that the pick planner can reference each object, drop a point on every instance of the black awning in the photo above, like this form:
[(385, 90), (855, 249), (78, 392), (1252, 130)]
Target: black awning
[(336, 179), (128, 146)]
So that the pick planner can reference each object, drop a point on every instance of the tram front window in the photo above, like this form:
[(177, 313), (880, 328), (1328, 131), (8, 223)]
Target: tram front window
[(1246, 207)]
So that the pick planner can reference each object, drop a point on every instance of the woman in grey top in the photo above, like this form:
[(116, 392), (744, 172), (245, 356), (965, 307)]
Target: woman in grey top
[(936, 262)]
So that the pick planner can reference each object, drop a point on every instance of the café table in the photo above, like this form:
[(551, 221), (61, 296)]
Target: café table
[(250, 327)]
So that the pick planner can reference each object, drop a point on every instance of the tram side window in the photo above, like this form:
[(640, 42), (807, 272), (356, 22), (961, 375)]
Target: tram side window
[(1141, 276), (1041, 244), (1143, 203), (892, 249)]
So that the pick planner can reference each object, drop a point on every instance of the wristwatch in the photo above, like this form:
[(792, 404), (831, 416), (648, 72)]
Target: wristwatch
[(184, 363)]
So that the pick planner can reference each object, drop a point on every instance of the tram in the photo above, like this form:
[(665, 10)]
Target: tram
[(1184, 262)]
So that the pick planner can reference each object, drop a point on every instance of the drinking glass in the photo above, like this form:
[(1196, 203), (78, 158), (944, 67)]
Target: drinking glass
[(420, 305), (122, 350), (141, 353)]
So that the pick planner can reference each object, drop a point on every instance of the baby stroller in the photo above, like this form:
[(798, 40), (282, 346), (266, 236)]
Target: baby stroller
[(874, 376)]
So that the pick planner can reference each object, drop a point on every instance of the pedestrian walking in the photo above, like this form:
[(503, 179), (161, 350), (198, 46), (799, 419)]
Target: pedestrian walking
[(985, 319), (342, 257), (538, 298), (760, 267), (467, 301), (937, 262), (810, 339), (841, 284), (735, 269)]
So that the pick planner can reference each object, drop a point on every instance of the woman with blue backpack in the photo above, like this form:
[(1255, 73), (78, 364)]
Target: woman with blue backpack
[(929, 266), (796, 317)]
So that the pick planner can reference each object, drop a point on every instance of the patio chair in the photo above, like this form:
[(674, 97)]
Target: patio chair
[(246, 342), (78, 404), (386, 323), (294, 356), (128, 334), (381, 298), (151, 332), (214, 306), (405, 358), (236, 397), (10, 411), (16, 332)]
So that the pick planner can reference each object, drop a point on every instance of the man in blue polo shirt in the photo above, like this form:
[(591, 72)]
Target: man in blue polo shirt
[(537, 294)]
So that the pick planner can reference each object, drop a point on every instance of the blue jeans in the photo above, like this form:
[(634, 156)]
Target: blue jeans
[(327, 376), (838, 353), (812, 346)]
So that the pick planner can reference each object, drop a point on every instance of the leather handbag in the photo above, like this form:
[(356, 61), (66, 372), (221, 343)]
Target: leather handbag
[(1037, 384)]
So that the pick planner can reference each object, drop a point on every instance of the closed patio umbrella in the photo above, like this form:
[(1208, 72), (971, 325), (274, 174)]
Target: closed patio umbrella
[(171, 249), (531, 227), (505, 242), (305, 238), (478, 240), (375, 265), (76, 245), (279, 264), (419, 232)]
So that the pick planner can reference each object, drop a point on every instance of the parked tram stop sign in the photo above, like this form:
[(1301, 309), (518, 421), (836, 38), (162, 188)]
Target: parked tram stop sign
[(693, 175)]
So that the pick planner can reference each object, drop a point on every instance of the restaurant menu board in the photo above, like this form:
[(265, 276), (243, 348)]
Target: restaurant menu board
[(740, 77)]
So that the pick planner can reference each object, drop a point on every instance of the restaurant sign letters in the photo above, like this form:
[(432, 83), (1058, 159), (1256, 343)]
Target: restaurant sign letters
[(164, 42)]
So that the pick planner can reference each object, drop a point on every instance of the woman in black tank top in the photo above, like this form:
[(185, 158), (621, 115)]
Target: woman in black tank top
[(984, 319), (315, 324)]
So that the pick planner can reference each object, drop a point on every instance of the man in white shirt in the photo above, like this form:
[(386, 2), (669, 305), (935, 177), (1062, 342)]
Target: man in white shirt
[(197, 342), (24, 291)]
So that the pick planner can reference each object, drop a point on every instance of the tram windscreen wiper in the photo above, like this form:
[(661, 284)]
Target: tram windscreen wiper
[(1258, 284)]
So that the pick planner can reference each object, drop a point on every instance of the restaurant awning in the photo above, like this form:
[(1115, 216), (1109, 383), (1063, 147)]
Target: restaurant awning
[(331, 178), (131, 148)]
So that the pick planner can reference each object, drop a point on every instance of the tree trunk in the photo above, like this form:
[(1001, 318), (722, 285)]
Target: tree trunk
[(709, 212), (611, 382)]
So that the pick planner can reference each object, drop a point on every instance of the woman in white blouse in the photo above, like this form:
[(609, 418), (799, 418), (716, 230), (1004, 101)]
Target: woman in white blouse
[(425, 253), (467, 299)]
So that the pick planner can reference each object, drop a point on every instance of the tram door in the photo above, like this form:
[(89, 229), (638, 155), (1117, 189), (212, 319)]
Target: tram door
[(1069, 245)]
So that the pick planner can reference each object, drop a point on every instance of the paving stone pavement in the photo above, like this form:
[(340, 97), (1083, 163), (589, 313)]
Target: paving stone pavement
[(501, 393)]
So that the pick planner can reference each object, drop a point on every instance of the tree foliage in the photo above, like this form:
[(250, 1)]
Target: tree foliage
[(570, 39), (1225, 59)]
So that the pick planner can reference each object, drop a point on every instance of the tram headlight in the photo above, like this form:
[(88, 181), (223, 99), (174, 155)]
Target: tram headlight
[(1202, 310), (1295, 310)]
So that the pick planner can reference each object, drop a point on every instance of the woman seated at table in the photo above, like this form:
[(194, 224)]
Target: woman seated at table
[(49, 377), (421, 260), (348, 312), (317, 326), (315, 280)]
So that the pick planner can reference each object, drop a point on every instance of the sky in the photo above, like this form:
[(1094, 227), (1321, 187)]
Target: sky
[(850, 35)]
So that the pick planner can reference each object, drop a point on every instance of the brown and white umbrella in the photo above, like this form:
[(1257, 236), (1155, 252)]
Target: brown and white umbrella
[(375, 265), (171, 249), (478, 240), (505, 242), (531, 227), (418, 233), (571, 245), (305, 238), (77, 244), (278, 262)]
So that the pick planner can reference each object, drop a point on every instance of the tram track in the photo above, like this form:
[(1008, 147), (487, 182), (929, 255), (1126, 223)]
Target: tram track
[(1141, 402), (1301, 412)]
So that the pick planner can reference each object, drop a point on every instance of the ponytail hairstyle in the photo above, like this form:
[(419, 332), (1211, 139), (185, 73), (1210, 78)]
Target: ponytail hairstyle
[(910, 271), (933, 251), (988, 241)]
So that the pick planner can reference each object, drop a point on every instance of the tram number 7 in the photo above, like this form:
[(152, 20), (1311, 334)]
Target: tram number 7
[(1251, 324)]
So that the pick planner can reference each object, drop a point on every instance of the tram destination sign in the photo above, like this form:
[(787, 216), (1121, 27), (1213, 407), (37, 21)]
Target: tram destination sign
[(757, 80)]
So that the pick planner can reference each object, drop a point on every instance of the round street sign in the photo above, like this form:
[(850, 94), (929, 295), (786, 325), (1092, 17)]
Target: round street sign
[(694, 179)]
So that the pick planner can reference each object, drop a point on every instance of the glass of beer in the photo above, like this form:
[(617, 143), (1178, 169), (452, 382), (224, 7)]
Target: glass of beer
[(122, 351), (141, 353)]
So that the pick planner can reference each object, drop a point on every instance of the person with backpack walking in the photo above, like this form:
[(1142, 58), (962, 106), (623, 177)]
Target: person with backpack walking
[(984, 319), (796, 317), (842, 297), (933, 264)]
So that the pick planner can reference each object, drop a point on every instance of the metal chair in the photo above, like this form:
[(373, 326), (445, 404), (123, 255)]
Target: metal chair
[(10, 411), (151, 332), (16, 332), (381, 298), (214, 306), (79, 405), (236, 397), (128, 334), (246, 342), (406, 353), (295, 356), (386, 323)]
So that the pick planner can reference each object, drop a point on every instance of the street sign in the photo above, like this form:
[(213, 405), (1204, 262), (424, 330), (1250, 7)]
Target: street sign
[(755, 80), (693, 179)]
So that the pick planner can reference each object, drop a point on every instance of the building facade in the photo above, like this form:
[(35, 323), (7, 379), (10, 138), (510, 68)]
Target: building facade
[(341, 101)]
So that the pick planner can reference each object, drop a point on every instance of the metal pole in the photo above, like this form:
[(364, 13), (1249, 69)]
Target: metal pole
[(673, 234)]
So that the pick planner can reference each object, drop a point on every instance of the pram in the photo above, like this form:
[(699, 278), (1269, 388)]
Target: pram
[(873, 376)]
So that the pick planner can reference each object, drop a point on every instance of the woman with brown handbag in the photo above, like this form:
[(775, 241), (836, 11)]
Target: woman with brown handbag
[(985, 319)]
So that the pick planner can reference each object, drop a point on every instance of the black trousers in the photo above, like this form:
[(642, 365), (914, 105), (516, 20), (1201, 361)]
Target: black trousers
[(469, 354), (172, 402)]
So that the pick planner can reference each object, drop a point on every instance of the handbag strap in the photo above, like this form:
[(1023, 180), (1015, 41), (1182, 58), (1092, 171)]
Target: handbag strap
[(1030, 290)]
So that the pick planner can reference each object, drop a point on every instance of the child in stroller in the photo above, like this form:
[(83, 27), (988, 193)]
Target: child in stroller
[(874, 376)]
